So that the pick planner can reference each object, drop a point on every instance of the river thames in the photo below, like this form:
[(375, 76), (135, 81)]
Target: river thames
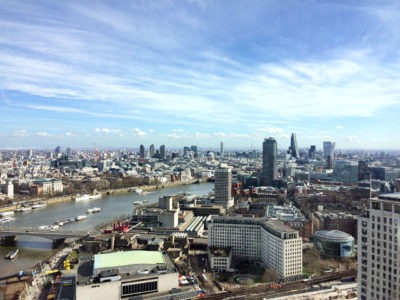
[(35, 249)]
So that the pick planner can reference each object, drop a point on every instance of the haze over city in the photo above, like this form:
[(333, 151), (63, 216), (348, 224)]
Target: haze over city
[(124, 73)]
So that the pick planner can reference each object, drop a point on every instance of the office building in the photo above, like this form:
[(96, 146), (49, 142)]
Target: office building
[(378, 249), (194, 149), (151, 151), (312, 152), (329, 149), (223, 186), (293, 146), (141, 152), (162, 151), (346, 171), (269, 161), (222, 149), (334, 243), (258, 239)]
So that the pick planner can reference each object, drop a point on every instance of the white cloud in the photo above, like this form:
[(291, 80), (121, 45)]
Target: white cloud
[(21, 133), (107, 130), (42, 133), (139, 132), (339, 127)]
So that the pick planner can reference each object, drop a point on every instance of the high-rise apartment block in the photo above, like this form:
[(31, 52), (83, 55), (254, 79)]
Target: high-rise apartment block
[(276, 245), (269, 161), (223, 186), (378, 249)]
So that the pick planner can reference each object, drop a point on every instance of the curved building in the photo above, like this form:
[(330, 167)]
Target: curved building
[(334, 243)]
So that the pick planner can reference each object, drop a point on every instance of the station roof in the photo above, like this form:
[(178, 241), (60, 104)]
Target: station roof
[(124, 258)]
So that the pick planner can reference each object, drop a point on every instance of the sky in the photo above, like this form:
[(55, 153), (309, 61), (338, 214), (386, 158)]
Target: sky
[(198, 72)]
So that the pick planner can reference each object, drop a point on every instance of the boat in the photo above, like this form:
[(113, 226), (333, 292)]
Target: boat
[(5, 220), (6, 213), (138, 202), (139, 191), (23, 209), (94, 210), (12, 254), (85, 197), (81, 217), (39, 205), (44, 227)]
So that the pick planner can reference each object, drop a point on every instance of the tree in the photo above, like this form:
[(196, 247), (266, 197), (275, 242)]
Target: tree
[(270, 275)]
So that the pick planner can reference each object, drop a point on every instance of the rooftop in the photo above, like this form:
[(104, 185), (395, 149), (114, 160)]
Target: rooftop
[(136, 257), (390, 196)]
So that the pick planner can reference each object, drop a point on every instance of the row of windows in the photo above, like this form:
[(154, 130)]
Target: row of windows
[(139, 288)]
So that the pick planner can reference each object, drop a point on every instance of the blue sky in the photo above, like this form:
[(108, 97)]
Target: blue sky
[(125, 73)]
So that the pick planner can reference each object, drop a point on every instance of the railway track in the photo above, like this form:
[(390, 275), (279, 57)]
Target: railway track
[(260, 292)]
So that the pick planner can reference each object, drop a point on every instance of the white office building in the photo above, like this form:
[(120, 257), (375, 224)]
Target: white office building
[(258, 239), (378, 249)]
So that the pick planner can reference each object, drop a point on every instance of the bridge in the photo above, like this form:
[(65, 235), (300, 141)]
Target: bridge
[(56, 236)]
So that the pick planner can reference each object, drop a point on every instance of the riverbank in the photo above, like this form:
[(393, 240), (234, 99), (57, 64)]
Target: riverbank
[(145, 188)]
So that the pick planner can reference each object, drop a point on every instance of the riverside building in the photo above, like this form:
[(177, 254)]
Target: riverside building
[(258, 239)]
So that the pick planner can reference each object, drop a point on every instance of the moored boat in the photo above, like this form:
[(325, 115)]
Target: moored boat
[(23, 209), (6, 213), (12, 254), (39, 205), (81, 217), (94, 210), (87, 197)]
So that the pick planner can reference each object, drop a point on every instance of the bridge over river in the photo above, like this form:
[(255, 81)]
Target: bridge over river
[(58, 237)]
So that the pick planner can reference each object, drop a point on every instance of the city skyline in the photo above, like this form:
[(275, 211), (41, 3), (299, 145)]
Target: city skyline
[(121, 74)]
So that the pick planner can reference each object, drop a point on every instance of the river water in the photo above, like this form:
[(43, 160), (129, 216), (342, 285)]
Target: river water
[(34, 249)]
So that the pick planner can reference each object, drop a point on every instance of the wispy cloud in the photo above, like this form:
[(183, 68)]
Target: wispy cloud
[(242, 76)]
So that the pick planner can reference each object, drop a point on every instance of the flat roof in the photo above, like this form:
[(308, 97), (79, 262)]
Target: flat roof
[(390, 196), (124, 258)]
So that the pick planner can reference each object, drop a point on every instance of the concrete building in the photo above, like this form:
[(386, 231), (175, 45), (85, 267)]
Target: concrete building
[(269, 161), (8, 189), (49, 186), (223, 186), (378, 249), (120, 275), (258, 239), (220, 258)]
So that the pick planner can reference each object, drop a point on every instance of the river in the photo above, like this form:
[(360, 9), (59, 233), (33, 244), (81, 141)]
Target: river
[(34, 249)]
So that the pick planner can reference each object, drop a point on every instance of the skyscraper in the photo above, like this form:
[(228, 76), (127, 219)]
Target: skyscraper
[(223, 185), (312, 152), (151, 151), (194, 149), (378, 249), (222, 148), (269, 161), (293, 146), (162, 151), (329, 149), (141, 152)]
